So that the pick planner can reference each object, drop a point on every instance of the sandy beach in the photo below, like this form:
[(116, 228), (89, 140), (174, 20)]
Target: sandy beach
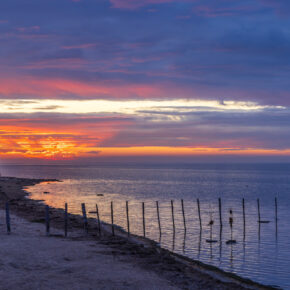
[(31, 260)]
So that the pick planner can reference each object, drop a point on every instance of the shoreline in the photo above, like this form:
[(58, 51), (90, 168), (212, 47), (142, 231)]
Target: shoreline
[(181, 271)]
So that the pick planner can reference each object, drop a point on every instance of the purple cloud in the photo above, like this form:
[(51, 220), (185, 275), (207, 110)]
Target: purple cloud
[(282, 7), (133, 4)]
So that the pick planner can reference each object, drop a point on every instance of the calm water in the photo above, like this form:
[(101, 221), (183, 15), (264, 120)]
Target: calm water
[(262, 255)]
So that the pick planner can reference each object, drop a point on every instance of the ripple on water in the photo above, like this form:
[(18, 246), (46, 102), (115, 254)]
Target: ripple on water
[(261, 257)]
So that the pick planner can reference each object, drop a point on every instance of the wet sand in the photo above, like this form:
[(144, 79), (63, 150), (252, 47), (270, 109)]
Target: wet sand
[(30, 260)]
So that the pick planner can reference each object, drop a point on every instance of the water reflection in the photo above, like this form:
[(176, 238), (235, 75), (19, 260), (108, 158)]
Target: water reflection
[(184, 241), (199, 243), (244, 251), (244, 218), (257, 245), (221, 243), (210, 246), (173, 241), (231, 256)]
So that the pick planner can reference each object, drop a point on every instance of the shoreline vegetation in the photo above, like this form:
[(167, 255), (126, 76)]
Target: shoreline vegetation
[(166, 270)]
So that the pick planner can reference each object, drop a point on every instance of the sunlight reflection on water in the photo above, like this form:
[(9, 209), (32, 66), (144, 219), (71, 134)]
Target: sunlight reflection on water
[(260, 255)]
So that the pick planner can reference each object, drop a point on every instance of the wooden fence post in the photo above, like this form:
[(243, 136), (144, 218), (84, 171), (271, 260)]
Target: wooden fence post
[(259, 214), (128, 220), (143, 213), (158, 217), (199, 215), (65, 220), (244, 218), (86, 228), (98, 217), (172, 213), (220, 211), (112, 218), (183, 214)]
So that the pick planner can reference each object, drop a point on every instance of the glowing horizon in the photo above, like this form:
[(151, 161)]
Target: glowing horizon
[(58, 132)]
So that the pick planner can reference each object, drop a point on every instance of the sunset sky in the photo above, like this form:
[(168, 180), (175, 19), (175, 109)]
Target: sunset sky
[(189, 80)]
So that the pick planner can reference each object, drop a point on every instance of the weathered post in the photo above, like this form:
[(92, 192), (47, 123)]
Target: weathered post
[(184, 241), (183, 214), (231, 221), (158, 217), (47, 220), (220, 212), (244, 218), (172, 213), (8, 218), (143, 213), (65, 220), (112, 218), (98, 217), (86, 228), (128, 221), (199, 215), (259, 214)]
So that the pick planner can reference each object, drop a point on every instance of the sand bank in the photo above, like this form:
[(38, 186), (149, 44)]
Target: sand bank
[(30, 260)]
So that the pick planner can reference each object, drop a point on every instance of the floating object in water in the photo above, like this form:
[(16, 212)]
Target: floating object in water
[(263, 222), (211, 222), (46, 192), (211, 241), (231, 222), (100, 194), (230, 242)]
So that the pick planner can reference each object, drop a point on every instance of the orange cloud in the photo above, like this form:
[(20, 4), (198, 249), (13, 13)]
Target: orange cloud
[(61, 144), (54, 139)]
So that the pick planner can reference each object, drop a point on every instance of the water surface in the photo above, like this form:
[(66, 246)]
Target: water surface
[(262, 253)]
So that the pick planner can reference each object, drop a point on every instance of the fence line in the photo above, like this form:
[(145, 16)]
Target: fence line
[(86, 224)]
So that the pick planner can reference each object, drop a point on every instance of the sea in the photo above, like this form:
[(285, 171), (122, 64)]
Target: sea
[(262, 249)]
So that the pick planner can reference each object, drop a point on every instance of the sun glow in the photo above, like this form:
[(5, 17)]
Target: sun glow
[(60, 130), (57, 149)]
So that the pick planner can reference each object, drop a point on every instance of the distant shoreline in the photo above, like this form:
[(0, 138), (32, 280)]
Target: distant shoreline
[(161, 261)]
